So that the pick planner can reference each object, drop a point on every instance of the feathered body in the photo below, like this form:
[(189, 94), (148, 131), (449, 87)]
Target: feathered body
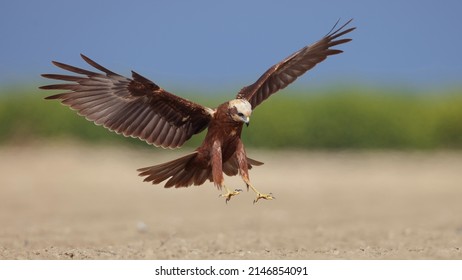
[(138, 107), (222, 151)]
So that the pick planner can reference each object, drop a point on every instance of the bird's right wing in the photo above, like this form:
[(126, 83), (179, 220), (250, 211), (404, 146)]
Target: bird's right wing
[(133, 107)]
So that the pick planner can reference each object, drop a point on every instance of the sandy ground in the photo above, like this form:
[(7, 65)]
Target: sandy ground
[(74, 202)]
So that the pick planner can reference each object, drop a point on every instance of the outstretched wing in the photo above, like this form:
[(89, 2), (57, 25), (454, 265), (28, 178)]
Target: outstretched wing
[(133, 107), (285, 72)]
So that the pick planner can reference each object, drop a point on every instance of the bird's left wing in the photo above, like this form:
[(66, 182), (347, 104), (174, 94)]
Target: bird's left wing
[(285, 72), (134, 107)]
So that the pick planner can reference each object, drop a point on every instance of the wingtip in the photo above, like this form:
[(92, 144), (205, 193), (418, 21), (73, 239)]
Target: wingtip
[(86, 59), (48, 87), (44, 87), (93, 63), (348, 22), (345, 24), (51, 97), (334, 30)]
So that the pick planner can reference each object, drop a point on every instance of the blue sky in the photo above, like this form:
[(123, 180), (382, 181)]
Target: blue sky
[(223, 45)]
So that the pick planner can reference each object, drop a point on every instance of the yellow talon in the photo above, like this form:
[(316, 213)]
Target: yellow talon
[(230, 194), (264, 196), (260, 195)]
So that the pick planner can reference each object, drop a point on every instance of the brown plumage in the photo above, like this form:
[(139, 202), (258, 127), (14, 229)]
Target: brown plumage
[(139, 108)]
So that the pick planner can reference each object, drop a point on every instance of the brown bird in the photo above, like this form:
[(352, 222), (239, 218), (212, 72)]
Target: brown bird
[(139, 108)]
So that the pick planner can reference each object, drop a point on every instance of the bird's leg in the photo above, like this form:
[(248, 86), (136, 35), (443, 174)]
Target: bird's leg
[(217, 172), (260, 195), (244, 172), (229, 193)]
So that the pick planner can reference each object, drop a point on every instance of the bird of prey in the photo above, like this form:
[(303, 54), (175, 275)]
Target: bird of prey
[(139, 108)]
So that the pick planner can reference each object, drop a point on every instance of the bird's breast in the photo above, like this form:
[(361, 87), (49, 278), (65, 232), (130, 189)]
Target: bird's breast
[(226, 135)]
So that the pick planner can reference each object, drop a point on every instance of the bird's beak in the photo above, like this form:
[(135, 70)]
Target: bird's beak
[(247, 121)]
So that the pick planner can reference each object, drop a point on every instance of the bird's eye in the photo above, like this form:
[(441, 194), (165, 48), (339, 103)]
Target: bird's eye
[(240, 114)]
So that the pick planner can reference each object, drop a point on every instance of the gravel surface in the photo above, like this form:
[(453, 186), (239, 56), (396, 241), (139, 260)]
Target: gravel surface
[(78, 202)]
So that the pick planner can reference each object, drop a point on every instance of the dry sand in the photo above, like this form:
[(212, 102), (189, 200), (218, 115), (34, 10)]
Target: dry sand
[(74, 202)]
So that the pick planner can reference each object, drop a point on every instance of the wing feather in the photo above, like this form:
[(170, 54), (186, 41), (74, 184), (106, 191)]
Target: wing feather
[(143, 123), (137, 121), (287, 71), (134, 107)]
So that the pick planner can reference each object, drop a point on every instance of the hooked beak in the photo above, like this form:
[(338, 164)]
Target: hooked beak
[(247, 121)]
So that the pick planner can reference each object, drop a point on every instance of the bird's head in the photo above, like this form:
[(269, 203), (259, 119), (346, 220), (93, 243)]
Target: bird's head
[(240, 110)]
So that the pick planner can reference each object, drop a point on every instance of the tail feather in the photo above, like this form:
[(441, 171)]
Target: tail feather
[(185, 179), (254, 162), (181, 171), (202, 177), (231, 167), (184, 171)]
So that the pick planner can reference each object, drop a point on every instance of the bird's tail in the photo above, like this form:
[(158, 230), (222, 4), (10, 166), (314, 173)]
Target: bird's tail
[(186, 171), (181, 172)]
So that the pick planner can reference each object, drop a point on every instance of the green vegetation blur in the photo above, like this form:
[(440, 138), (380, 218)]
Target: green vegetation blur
[(351, 118)]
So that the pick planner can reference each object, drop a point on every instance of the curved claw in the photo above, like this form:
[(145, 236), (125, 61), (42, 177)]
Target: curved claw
[(264, 196), (230, 194)]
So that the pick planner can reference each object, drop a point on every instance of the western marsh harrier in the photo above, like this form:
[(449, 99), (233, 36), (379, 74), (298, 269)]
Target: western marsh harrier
[(139, 108)]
